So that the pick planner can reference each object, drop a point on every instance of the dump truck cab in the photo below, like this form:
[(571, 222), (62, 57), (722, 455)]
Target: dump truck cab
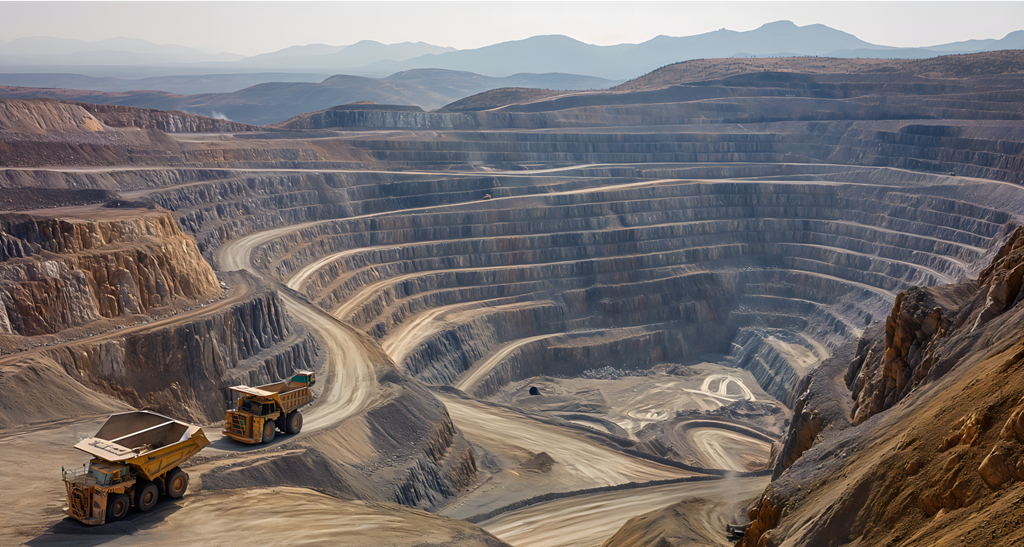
[(258, 412), (136, 459), (108, 474)]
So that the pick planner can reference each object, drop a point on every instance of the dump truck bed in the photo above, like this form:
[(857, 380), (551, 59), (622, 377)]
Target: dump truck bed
[(150, 442), (287, 398)]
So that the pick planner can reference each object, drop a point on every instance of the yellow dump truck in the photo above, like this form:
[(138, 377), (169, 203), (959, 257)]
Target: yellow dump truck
[(136, 459), (260, 411)]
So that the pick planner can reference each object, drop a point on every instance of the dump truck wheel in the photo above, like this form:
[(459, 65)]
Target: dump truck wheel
[(117, 507), (146, 496), (176, 483), (295, 422), (269, 430)]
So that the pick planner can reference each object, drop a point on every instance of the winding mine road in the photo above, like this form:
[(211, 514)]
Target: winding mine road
[(588, 520), (590, 464), (579, 461), (474, 375), (721, 390), (349, 372)]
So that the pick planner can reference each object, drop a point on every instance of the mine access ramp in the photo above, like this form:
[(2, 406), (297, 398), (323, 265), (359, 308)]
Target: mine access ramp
[(258, 412), (136, 459)]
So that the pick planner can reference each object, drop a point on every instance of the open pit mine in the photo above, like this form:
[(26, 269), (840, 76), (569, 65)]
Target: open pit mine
[(772, 301)]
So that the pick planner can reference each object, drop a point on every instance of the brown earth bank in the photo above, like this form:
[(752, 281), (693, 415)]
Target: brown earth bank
[(937, 463), (1006, 62)]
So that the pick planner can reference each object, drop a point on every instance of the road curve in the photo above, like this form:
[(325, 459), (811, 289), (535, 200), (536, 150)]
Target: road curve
[(478, 372), (349, 372), (588, 520), (589, 463)]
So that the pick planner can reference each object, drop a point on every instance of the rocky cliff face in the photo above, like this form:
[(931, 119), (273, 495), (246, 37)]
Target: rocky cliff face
[(181, 369), (915, 470), (168, 122), (62, 273)]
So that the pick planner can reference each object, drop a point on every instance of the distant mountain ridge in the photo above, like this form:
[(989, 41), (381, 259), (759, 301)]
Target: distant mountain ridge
[(778, 39), (341, 57), (536, 55), (556, 53), (48, 51)]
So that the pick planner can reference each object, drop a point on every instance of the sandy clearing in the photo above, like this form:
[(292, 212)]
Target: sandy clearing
[(270, 517), (587, 462), (586, 521), (717, 386), (723, 449)]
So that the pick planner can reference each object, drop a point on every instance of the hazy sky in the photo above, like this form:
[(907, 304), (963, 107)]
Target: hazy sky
[(249, 28)]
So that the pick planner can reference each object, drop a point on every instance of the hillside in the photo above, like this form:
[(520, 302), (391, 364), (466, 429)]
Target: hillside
[(939, 463), (273, 102), (711, 72), (778, 39), (940, 67)]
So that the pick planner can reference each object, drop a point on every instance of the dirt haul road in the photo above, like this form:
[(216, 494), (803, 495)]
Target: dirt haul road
[(722, 449), (587, 521), (349, 372)]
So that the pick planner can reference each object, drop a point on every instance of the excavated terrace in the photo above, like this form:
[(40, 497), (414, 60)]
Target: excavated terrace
[(646, 242)]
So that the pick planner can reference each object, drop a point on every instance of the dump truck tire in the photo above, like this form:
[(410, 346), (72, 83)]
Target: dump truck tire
[(146, 496), (269, 430), (176, 483), (117, 507), (294, 422)]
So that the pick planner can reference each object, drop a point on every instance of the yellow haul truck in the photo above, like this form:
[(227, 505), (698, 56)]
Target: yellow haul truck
[(260, 411), (136, 459)]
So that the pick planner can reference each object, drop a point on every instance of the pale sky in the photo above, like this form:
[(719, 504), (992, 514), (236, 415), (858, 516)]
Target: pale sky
[(249, 28)]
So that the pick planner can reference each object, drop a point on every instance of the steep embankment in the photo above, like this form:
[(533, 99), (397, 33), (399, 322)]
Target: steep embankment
[(63, 273), (120, 301), (936, 463), (39, 132)]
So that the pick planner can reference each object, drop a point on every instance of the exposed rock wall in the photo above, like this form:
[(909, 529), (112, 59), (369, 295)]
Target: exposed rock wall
[(983, 149), (920, 318), (441, 358), (949, 440), (182, 369), (65, 273), (168, 122)]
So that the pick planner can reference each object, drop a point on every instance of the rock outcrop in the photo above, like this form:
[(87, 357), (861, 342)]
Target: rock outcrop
[(949, 440), (183, 369), (63, 273)]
